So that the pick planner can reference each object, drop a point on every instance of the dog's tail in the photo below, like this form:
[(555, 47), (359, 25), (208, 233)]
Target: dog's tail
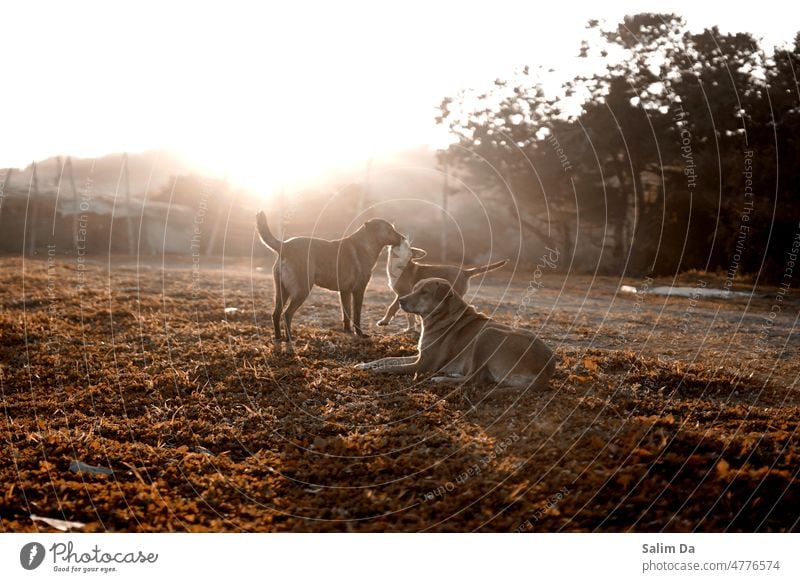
[(485, 269), (265, 233)]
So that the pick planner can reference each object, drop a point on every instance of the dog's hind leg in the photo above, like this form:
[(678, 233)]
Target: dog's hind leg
[(280, 296), (346, 298), (295, 302), (358, 303)]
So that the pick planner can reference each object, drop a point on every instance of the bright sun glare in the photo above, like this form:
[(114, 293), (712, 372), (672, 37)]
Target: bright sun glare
[(265, 95)]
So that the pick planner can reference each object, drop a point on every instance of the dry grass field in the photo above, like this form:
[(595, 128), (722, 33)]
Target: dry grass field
[(671, 414)]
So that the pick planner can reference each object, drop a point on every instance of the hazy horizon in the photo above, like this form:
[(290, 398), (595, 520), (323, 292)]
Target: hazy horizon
[(268, 96)]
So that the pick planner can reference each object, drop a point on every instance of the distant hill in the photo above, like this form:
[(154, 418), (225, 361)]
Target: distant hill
[(154, 167)]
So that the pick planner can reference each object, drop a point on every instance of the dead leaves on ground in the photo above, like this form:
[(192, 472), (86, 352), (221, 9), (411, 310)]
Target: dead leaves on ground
[(206, 428)]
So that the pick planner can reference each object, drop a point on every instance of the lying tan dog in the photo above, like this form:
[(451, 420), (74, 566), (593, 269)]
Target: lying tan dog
[(344, 265), (458, 341), (404, 272)]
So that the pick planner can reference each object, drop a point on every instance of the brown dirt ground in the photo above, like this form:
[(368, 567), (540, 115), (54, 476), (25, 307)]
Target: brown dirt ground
[(664, 415)]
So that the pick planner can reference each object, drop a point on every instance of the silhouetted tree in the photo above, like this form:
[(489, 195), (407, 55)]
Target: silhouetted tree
[(682, 153)]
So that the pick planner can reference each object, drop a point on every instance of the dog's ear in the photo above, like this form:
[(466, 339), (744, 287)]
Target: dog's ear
[(418, 253), (443, 290)]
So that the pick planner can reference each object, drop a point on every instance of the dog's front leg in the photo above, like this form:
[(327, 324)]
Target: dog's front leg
[(358, 303), (390, 311), (411, 321), (346, 298), (449, 379), (397, 365)]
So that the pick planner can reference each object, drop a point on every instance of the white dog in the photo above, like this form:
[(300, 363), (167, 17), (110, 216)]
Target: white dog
[(404, 272)]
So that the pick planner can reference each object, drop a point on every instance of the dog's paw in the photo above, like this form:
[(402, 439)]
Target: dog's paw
[(383, 322), (449, 379)]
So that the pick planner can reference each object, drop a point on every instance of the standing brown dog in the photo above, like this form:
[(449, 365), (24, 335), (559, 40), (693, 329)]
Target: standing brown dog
[(344, 265)]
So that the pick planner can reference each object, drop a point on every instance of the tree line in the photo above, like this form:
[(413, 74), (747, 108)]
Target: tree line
[(682, 153)]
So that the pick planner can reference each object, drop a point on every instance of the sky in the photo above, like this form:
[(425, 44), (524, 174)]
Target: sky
[(267, 93)]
